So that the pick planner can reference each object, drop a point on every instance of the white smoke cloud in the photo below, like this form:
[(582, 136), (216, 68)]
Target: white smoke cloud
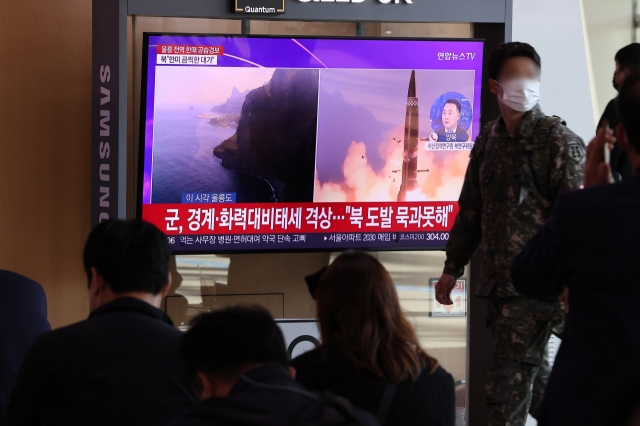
[(361, 183)]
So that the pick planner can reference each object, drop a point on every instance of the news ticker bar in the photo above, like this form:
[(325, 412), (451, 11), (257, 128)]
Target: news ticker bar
[(309, 241)]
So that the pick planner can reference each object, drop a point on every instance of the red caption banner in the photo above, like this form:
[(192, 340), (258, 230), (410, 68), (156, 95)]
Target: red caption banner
[(177, 49), (253, 218)]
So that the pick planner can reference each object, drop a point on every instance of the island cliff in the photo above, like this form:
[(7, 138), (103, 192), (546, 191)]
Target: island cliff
[(233, 104), (276, 135)]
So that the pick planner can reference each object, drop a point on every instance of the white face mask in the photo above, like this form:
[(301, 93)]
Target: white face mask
[(521, 94)]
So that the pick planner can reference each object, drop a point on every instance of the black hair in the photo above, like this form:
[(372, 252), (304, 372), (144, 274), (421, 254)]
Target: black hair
[(629, 57), (628, 105), (224, 342), (507, 51), (131, 255), (454, 102)]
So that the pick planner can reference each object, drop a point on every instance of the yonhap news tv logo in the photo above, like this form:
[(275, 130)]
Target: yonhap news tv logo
[(269, 7)]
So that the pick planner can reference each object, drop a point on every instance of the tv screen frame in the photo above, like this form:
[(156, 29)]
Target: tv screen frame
[(281, 248)]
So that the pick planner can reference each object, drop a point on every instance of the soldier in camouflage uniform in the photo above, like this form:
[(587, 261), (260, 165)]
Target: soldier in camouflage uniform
[(512, 181)]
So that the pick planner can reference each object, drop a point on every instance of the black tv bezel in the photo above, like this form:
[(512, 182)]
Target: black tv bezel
[(142, 117)]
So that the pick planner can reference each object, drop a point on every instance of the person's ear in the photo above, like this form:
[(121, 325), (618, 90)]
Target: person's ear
[(494, 86), (292, 372), (621, 137), (166, 287), (624, 74), (205, 387), (96, 288)]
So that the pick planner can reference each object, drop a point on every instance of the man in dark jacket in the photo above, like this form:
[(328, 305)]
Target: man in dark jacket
[(121, 366), (23, 317), (627, 61), (590, 245), (238, 360)]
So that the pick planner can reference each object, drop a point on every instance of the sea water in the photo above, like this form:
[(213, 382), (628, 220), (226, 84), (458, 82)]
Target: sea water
[(183, 159)]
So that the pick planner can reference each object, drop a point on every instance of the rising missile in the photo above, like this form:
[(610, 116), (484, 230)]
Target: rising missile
[(411, 127)]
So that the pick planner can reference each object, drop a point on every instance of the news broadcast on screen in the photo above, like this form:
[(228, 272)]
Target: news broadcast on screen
[(269, 143)]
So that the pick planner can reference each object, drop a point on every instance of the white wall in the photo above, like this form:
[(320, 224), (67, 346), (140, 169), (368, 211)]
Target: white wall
[(609, 28), (555, 29)]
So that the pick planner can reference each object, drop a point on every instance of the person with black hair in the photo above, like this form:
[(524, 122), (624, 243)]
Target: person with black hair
[(519, 165), (121, 366), (590, 246), (451, 130), (627, 61), (238, 362)]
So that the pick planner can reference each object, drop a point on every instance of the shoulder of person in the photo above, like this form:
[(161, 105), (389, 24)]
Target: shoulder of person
[(438, 378), (487, 132), (308, 359), (600, 196), (560, 134), (611, 105), (488, 129)]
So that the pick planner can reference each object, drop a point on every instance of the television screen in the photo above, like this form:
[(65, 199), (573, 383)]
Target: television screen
[(274, 143)]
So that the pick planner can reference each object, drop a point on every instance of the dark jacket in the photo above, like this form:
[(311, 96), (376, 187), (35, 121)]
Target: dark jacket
[(429, 401), (619, 160), (23, 317), (119, 367), (590, 245), (265, 396)]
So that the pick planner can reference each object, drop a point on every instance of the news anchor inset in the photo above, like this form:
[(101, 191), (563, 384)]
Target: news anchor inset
[(452, 132), (451, 118)]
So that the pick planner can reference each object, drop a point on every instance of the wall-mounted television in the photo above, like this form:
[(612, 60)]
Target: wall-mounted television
[(253, 143)]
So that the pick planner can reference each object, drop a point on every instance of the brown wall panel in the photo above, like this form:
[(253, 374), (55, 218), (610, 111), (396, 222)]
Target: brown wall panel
[(431, 29), (45, 147), (347, 29)]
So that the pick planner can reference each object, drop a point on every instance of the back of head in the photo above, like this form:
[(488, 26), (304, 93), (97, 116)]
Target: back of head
[(132, 256), (506, 51), (360, 316), (628, 104), (225, 343), (629, 57)]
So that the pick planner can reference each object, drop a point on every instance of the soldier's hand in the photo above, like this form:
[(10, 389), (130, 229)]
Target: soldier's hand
[(444, 286), (596, 170)]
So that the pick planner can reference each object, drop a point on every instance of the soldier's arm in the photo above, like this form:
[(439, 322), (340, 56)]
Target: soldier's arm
[(466, 232), (567, 171)]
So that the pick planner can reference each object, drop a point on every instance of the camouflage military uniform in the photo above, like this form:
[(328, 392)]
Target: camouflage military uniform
[(508, 194)]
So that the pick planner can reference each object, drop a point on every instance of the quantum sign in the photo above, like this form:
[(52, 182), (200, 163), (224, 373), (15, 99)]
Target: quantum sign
[(268, 7)]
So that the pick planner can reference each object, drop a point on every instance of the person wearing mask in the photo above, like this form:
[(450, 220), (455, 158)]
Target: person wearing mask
[(23, 317), (590, 246), (370, 353), (452, 132), (238, 362), (519, 165), (121, 366), (627, 60)]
